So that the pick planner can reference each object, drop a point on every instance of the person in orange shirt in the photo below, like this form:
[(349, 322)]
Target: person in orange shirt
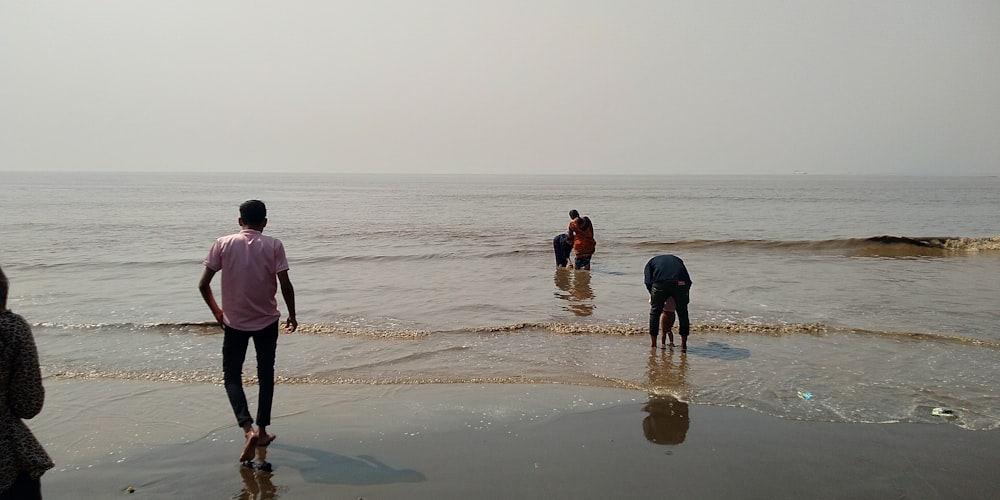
[(581, 233)]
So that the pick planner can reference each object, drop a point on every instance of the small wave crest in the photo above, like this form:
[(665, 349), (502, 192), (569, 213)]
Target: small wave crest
[(873, 246), (211, 328), (558, 328), (973, 244), (363, 331), (628, 330), (196, 327), (217, 379), (781, 329)]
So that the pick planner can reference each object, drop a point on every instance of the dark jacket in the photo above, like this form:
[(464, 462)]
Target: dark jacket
[(665, 268)]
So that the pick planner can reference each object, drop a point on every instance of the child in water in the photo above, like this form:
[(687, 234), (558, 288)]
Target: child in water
[(667, 324)]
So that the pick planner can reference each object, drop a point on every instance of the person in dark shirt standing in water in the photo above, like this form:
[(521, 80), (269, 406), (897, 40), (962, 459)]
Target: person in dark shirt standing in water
[(563, 248), (252, 265), (667, 277)]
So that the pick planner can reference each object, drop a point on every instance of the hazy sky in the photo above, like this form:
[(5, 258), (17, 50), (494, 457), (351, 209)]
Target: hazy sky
[(504, 86)]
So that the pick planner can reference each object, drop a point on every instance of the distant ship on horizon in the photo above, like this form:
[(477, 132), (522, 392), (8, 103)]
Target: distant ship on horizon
[(799, 172)]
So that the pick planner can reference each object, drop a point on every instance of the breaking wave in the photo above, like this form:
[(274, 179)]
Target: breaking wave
[(558, 328), (874, 246)]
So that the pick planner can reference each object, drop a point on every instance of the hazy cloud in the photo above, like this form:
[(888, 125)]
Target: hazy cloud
[(501, 87)]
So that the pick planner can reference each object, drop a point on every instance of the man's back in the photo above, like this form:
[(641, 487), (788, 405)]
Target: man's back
[(665, 267), (249, 262)]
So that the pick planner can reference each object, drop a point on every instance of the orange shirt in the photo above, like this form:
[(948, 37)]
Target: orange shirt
[(581, 231)]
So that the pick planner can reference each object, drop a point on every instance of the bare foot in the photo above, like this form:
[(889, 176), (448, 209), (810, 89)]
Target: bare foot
[(266, 439), (250, 447)]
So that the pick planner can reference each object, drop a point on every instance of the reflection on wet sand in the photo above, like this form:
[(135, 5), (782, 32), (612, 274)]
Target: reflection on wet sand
[(256, 477), (574, 287), (666, 372), (667, 422), (668, 419)]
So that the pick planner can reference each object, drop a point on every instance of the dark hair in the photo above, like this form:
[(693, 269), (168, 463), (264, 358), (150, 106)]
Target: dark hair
[(573, 214), (4, 286), (253, 212)]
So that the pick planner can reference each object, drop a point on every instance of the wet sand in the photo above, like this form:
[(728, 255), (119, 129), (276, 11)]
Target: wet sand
[(172, 440)]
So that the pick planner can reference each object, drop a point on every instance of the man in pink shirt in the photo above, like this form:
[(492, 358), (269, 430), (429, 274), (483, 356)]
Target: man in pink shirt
[(249, 262)]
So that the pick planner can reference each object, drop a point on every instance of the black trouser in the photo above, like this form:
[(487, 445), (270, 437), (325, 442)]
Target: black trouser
[(658, 294), (23, 488), (234, 352)]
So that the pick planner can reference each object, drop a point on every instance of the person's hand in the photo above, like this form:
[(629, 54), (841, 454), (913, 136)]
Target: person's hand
[(218, 317), (291, 324)]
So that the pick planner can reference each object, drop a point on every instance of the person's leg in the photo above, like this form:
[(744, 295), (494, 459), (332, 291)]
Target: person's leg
[(234, 352), (658, 295), (682, 296), (667, 327), (667, 322), (265, 342)]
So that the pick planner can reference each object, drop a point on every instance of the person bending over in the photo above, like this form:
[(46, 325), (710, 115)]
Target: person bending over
[(581, 233), (666, 277)]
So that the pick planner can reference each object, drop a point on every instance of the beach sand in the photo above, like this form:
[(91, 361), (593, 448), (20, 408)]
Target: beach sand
[(178, 440)]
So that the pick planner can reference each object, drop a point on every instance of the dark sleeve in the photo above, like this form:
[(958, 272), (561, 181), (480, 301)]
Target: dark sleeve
[(648, 275), (684, 272), (26, 391)]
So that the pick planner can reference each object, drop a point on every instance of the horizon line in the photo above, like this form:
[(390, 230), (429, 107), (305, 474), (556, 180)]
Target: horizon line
[(493, 174)]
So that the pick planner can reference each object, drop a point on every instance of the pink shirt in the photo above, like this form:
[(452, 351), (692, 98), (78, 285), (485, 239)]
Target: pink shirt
[(249, 262)]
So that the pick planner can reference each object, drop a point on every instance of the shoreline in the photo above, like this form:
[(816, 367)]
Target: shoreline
[(168, 440)]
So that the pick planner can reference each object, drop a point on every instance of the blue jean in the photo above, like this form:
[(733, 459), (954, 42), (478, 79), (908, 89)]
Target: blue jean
[(658, 294), (234, 352)]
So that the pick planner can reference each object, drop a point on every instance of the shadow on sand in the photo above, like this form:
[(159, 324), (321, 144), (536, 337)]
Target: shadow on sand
[(719, 350), (320, 466)]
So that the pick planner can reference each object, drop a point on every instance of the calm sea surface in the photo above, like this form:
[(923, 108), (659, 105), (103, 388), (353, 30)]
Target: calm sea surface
[(451, 279)]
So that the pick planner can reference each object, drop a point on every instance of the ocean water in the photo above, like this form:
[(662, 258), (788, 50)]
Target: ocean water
[(848, 299)]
